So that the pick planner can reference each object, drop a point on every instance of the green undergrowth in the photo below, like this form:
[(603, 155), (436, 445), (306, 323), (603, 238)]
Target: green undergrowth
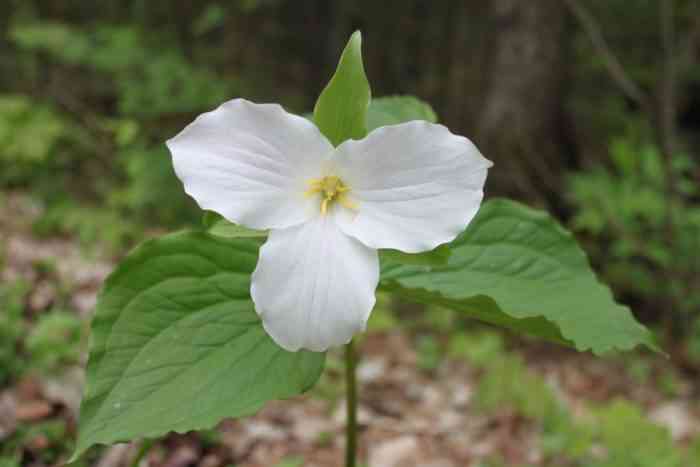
[(35, 346), (616, 433)]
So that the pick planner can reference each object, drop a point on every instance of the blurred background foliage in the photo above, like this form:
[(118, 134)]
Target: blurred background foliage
[(589, 108), (89, 93)]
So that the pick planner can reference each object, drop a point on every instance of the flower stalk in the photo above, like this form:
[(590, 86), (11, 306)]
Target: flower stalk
[(351, 398)]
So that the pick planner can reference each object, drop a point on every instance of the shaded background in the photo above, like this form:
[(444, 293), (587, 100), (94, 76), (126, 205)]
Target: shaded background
[(589, 108)]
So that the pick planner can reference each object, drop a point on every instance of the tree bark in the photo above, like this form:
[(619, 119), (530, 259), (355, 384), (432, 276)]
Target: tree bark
[(521, 124)]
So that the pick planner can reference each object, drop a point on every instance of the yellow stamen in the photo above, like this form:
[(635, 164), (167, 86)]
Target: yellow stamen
[(347, 202), (331, 188)]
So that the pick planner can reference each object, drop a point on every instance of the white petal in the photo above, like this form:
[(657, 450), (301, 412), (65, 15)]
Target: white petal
[(314, 286), (250, 163), (416, 186)]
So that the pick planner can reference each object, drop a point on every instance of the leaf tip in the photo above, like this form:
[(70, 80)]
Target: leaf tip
[(354, 46), (356, 37)]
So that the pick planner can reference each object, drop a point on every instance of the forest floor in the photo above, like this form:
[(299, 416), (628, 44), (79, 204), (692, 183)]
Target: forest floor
[(492, 400)]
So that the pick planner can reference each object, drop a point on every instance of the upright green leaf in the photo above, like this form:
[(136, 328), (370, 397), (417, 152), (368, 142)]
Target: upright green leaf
[(341, 109), (177, 346), (516, 267), (392, 110)]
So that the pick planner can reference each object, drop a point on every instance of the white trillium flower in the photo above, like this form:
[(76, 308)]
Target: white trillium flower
[(409, 187)]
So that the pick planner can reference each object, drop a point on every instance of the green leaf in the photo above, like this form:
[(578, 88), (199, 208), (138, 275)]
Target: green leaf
[(341, 109), (398, 109), (437, 257), (215, 224), (225, 228), (176, 344), (516, 267), (210, 218)]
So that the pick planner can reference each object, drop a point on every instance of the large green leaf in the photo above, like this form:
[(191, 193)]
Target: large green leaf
[(215, 224), (437, 257), (398, 109), (341, 109), (516, 267), (176, 344)]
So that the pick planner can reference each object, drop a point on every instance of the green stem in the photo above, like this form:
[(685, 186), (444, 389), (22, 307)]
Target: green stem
[(351, 423)]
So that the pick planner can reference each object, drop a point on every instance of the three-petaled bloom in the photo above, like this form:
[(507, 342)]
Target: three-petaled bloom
[(410, 187)]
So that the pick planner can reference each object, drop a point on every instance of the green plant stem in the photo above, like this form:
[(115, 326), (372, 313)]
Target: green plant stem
[(351, 396)]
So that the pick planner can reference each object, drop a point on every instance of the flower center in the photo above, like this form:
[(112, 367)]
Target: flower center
[(331, 188)]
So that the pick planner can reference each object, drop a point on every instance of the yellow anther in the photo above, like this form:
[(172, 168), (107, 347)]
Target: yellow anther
[(346, 202), (315, 186), (331, 188)]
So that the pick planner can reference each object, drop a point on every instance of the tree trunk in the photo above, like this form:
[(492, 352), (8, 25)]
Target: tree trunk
[(520, 126)]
